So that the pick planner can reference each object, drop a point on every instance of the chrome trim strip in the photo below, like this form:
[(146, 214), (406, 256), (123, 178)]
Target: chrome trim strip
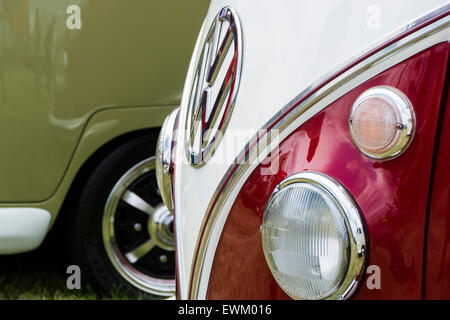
[(398, 42)]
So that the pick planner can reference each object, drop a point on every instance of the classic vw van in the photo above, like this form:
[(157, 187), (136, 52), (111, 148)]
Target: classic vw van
[(310, 156), (84, 88)]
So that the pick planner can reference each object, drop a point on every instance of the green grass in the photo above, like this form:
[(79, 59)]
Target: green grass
[(44, 286), (41, 275), (39, 286)]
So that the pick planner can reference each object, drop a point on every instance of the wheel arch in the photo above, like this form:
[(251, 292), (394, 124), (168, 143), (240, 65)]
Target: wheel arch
[(89, 165), (104, 132)]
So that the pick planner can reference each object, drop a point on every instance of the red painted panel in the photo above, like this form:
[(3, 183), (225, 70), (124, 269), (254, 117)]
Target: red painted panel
[(392, 194), (437, 279)]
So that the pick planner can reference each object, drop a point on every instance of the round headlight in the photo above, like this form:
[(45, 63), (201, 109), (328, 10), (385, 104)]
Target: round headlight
[(163, 163), (382, 122), (313, 238)]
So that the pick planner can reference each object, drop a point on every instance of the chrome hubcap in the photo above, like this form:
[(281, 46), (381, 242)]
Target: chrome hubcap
[(138, 232), (160, 228)]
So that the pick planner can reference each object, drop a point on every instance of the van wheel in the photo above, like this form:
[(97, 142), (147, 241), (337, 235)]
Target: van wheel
[(122, 234)]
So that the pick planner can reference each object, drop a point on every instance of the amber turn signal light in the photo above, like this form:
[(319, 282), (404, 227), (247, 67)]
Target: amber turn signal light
[(382, 122)]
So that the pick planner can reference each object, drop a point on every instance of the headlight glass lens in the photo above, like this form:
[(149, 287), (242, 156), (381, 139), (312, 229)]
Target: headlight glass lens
[(306, 240)]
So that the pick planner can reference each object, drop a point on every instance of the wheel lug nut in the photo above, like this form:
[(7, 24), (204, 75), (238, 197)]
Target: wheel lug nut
[(163, 258), (137, 227)]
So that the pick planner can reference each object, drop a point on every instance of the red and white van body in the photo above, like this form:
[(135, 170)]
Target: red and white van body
[(294, 74)]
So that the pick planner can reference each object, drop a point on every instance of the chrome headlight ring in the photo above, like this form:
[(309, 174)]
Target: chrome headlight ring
[(356, 244), (164, 161)]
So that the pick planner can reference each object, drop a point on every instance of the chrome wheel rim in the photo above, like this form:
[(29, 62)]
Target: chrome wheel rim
[(137, 232)]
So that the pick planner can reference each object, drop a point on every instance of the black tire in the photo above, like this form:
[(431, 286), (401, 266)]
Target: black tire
[(85, 230)]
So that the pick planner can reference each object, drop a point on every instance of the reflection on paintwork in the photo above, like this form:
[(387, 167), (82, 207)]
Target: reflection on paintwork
[(392, 195), (52, 79), (99, 127)]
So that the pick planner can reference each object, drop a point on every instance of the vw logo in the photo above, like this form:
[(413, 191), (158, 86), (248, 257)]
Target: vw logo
[(214, 87)]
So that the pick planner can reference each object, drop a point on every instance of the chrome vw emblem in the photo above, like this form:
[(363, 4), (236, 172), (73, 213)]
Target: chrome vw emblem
[(214, 87)]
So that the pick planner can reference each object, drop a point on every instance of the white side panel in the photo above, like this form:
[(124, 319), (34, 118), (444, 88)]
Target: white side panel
[(287, 46), (22, 229)]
